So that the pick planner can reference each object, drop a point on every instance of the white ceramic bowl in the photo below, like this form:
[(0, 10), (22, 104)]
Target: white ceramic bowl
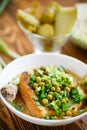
[(35, 60)]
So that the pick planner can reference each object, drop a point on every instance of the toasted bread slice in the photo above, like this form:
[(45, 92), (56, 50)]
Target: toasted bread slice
[(28, 94)]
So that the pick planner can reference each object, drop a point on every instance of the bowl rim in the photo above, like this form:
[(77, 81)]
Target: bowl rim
[(35, 119), (75, 27)]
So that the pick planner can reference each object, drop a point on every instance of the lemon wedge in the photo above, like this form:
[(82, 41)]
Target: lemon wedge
[(65, 20)]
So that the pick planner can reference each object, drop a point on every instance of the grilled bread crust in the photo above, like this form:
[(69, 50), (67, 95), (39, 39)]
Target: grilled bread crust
[(28, 94)]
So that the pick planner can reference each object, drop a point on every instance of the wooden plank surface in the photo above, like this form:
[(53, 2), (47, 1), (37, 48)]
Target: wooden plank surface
[(17, 41)]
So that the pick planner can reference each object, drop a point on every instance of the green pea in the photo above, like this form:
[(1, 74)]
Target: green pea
[(46, 72), (44, 78), (36, 72), (50, 92), (62, 92), (71, 86), (67, 88), (53, 89), (35, 85), (38, 79), (49, 96), (54, 84), (63, 114), (68, 113), (48, 81), (42, 68), (63, 100), (58, 89), (45, 101), (41, 84)]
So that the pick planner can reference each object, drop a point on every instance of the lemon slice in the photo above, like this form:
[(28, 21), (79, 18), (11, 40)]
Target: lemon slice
[(65, 20)]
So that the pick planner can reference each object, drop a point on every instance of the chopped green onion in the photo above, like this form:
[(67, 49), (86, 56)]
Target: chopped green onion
[(14, 104), (80, 111), (16, 81), (40, 71), (33, 78), (65, 107), (42, 96), (61, 68), (58, 110), (50, 117), (76, 96), (66, 93), (43, 93), (48, 86), (35, 98), (47, 117), (75, 91), (38, 91), (31, 83), (53, 117), (85, 83), (17, 106), (38, 103)]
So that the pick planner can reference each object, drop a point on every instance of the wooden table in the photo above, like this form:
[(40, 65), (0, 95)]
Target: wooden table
[(17, 41)]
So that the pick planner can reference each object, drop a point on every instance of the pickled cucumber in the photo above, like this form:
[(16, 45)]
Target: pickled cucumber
[(50, 13), (46, 30)]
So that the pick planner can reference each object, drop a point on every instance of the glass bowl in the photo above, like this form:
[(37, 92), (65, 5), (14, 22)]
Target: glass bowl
[(46, 44)]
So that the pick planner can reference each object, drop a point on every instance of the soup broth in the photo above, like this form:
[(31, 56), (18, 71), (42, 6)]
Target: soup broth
[(50, 92)]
